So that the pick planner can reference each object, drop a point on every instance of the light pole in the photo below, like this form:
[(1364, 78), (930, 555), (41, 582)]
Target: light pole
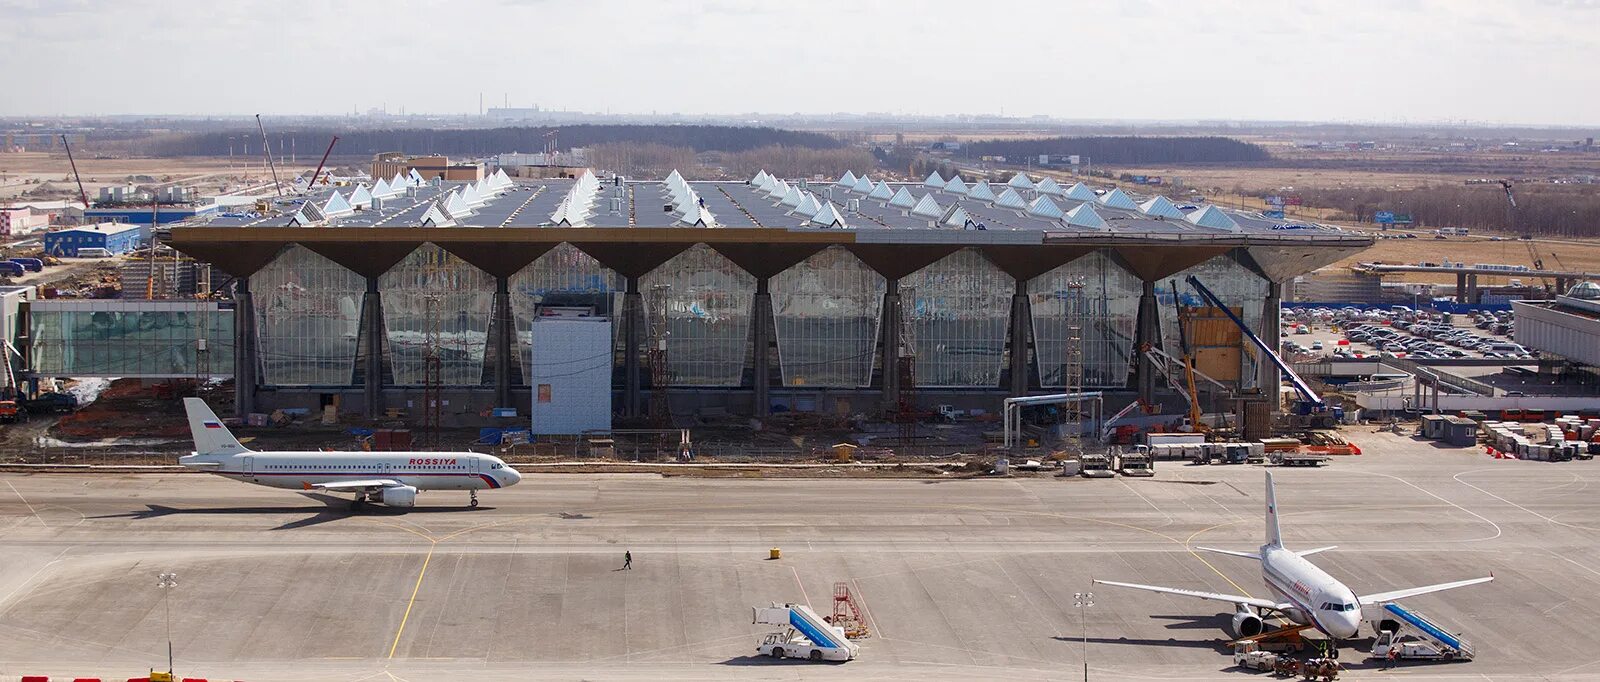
[(167, 582), (1082, 601)]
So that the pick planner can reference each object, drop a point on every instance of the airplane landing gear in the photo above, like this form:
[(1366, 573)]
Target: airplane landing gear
[(474, 502), (359, 503)]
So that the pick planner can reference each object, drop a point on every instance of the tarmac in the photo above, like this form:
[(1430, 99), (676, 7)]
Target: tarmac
[(958, 579)]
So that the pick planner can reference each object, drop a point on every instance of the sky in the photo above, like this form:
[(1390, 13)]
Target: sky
[(1418, 61)]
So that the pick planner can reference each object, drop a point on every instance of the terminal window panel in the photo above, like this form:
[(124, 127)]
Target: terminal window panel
[(826, 311), (563, 276), (705, 301), (115, 339), (308, 317), (957, 312), (1238, 286), (434, 301), (1101, 299)]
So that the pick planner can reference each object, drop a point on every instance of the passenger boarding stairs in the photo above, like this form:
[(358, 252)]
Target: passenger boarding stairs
[(815, 629), (1407, 623)]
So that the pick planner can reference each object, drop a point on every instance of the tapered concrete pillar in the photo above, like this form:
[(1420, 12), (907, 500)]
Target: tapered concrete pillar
[(1020, 333), (891, 345), (763, 343), (1268, 377), (632, 318), (1147, 333), (372, 322), (244, 349), (505, 345)]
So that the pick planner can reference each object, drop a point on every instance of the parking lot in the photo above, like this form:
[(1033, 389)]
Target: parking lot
[(1308, 335)]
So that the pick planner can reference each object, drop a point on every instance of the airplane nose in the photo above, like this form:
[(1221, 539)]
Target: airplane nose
[(513, 477), (1349, 624)]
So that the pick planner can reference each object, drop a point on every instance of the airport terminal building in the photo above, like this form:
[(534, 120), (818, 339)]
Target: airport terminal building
[(840, 296)]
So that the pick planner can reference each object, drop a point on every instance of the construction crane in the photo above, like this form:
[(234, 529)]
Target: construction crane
[(1511, 226), (1188, 364), (81, 194)]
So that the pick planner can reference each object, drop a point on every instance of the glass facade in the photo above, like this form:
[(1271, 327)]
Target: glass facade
[(1238, 286), (432, 293), (113, 338), (957, 312), (705, 301), (308, 316), (563, 276), (826, 309), (1102, 300)]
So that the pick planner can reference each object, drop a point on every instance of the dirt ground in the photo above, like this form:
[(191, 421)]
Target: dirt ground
[(24, 172)]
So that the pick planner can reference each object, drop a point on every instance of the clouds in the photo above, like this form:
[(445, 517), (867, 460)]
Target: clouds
[(1236, 59)]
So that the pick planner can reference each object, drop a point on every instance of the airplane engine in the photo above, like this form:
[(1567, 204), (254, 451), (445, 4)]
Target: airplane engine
[(1246, 623), (398, 496)]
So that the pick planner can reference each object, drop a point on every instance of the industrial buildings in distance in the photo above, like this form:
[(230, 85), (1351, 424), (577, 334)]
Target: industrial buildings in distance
[(840, 296)]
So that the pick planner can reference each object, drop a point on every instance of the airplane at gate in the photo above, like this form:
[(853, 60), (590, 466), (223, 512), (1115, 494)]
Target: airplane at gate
[(388, 478), (1306, 594)]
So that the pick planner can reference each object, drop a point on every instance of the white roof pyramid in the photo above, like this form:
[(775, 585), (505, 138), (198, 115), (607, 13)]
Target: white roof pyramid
[(457, 205), (1044, 208), (881, 191), (398, 182), (1021, 181), (928, 208), (1085, 216), (847, 180), (1048, 186), (956, 186), (956, 216), (380, 189), (361, 197), (694, 216), (981, 191), (336, 206), (934, 181), (434, 217), (416, 179), (1211, 216), (828, 216), (1162, 207), (903, 198), (760, 178), (1118, 199), (1010, 199), (792, 198), (862, 185), (808, 205), (1081, 192)]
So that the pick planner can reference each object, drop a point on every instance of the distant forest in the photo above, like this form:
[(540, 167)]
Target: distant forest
[(1125, 150), (482, 142)]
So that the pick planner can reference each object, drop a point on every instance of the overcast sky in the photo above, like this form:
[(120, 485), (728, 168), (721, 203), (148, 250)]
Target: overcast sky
[(1482, 61)]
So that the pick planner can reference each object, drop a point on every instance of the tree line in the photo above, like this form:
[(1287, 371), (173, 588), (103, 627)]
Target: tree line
[(1128, 150), (482, 142), (1542, 209)]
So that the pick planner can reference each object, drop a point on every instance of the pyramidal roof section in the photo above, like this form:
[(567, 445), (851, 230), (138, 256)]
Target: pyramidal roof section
[(380, 189), (1044, 208), (1048, 186), (436, 218), (361, 197), (934, 181), (881, 191), (1118, 199), (1161, 206), (956, 186), (1021, 181), (1010, 199), (694, 216), (416, 179), (1212, 217), (1081, 192), (928, 208), (674, 177), (863, 185), (792, 198), (399, 181), (955, 216), (847, 180), (903, 198), (457, 205), (760, 177), (981, 191), (336, 206), (828, 216), (501, 180), (1085, 216), (808, 205)]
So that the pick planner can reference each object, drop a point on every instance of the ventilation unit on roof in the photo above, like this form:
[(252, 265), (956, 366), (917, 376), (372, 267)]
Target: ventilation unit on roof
[(616, 207), (853, 205), (666, 208)]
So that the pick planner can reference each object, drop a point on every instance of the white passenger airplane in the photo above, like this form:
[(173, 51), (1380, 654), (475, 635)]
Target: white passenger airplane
[(1309, 595), (388, 478)]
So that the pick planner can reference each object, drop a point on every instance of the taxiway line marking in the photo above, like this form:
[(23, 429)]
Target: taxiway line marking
[(25, 501), (413, 601)]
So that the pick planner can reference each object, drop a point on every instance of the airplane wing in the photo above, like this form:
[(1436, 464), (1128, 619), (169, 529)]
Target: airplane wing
[(1229, 552), (1214, 596), (354, 486), (1309, 552), (1394, 595)]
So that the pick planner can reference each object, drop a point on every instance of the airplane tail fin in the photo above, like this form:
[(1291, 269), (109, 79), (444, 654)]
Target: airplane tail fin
[(210, 436), (1274, 538)]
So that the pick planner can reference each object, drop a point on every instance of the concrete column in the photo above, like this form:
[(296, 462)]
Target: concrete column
[(891, 345), (1147, 332), (1019, 341), (1267, 374), (372, 321), (244, 349), (1461, 287), (763, 347), (505, 342), (632, 317), (1472, 288)]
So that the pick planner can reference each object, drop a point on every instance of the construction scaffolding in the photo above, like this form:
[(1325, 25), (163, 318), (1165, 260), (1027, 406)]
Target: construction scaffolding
[(1072, 368), (660, 375), (906, 368)]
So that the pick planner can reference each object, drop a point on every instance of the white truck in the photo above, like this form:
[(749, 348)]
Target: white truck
[(806, 635), (1413, 636)]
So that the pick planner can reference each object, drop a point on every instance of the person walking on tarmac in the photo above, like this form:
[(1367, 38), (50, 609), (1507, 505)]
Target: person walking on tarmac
[(627, 560), (1391, 657)]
